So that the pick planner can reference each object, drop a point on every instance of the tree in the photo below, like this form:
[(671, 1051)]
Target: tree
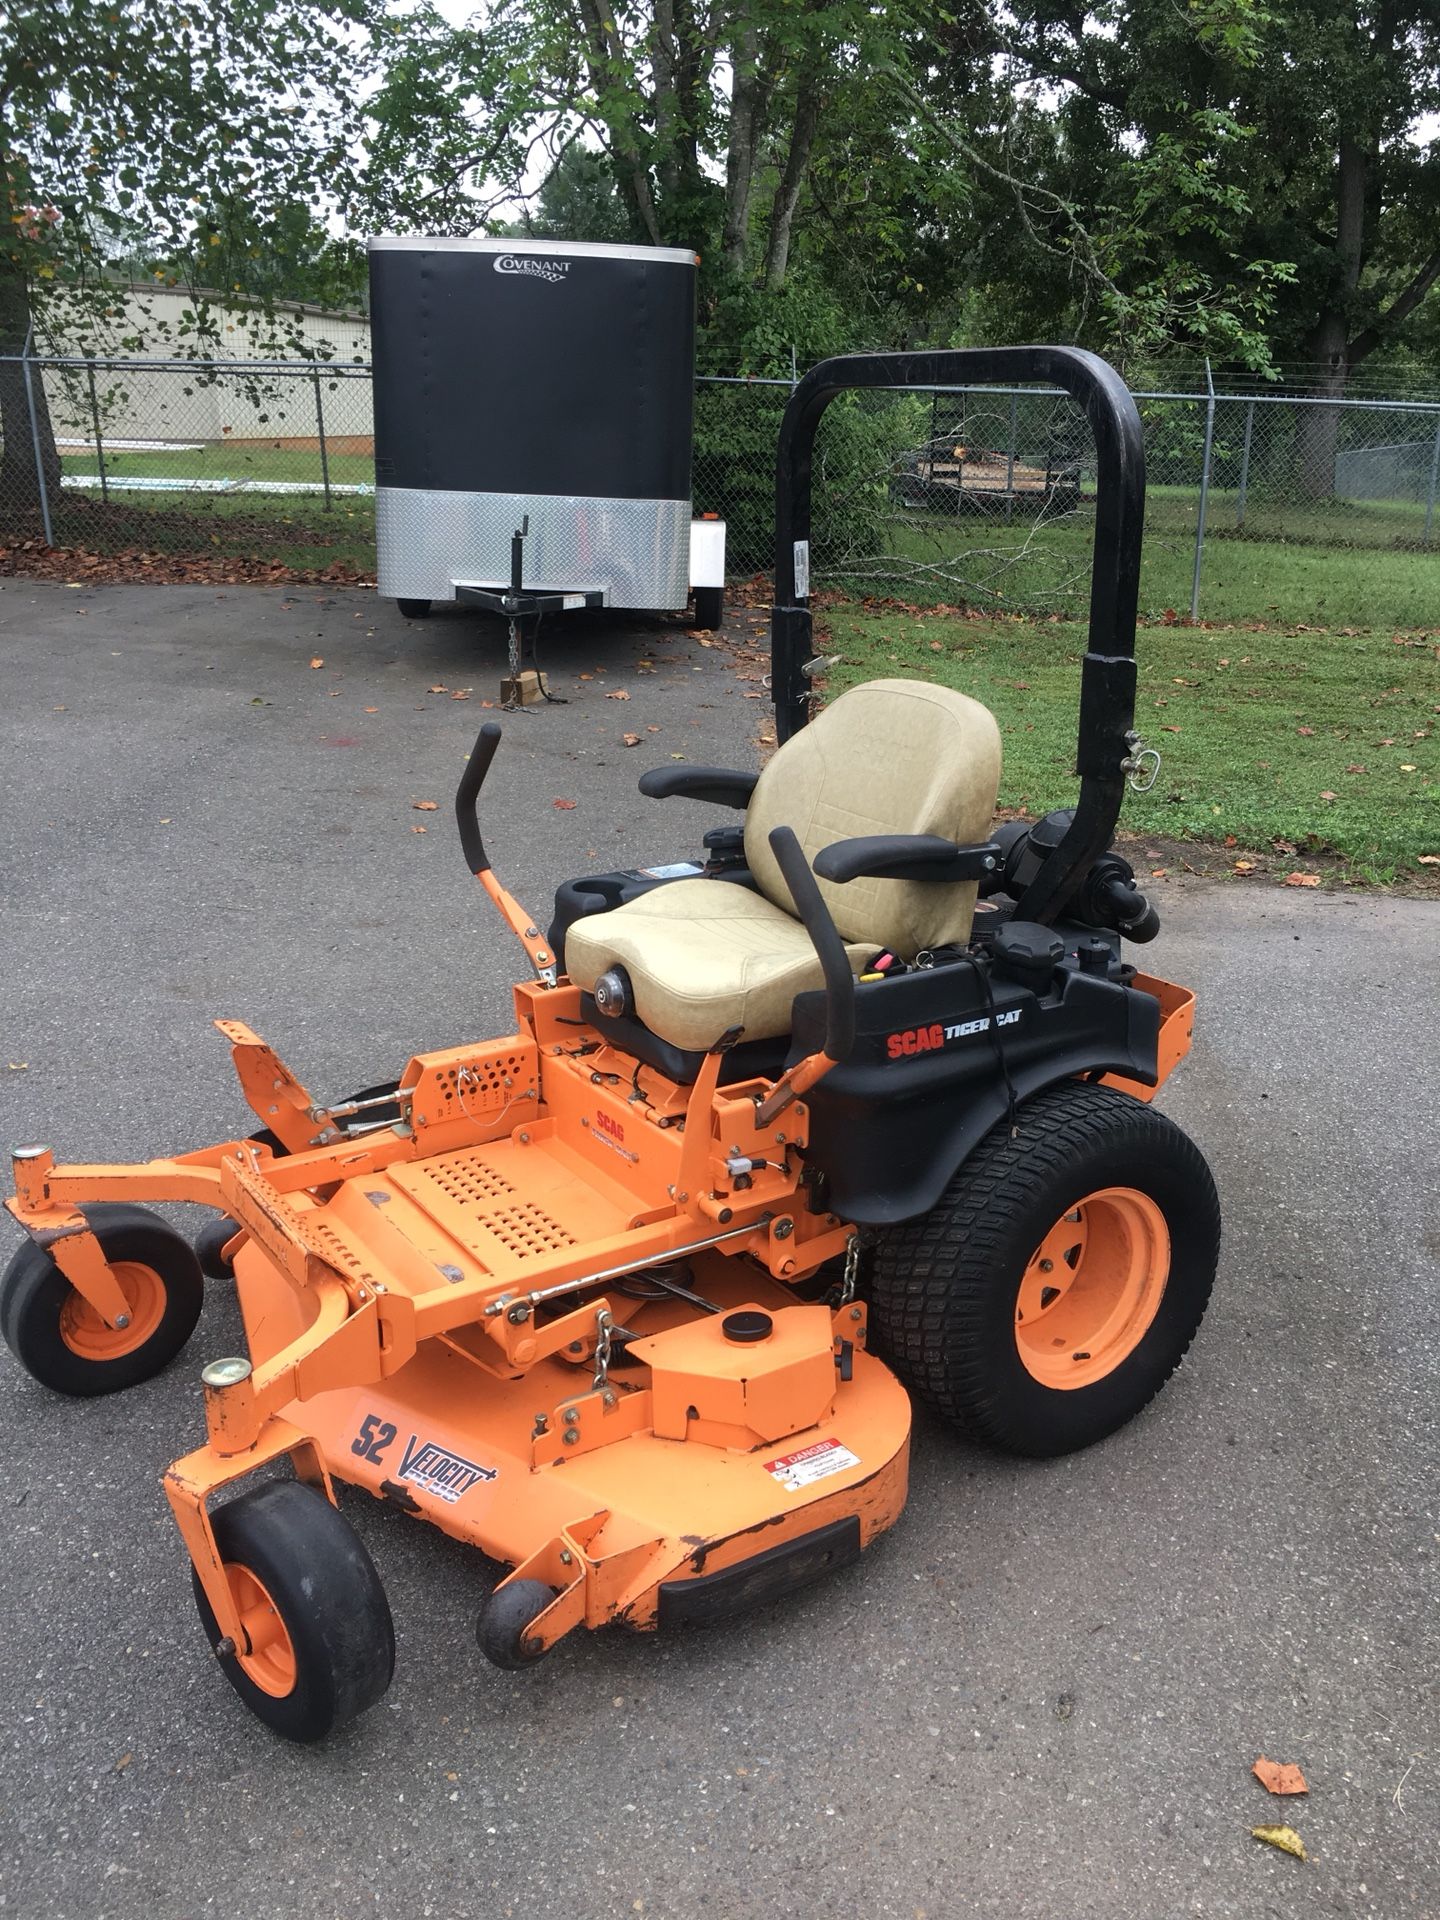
[(201, 129), (707, 114), (1314, 160)]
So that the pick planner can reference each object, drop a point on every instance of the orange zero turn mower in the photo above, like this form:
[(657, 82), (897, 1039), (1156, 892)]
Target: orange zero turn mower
[(635, 1296)]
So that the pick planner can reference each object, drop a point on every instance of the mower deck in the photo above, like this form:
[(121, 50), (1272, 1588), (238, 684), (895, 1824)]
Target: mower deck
[(423, 1319)]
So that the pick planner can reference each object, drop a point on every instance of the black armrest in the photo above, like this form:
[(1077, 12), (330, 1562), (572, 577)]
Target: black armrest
[(904, 856), (721, 786)]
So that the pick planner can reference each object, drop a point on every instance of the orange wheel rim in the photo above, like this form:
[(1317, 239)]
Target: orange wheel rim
[(85, 1333), (270, 1663), (1092, 1288)]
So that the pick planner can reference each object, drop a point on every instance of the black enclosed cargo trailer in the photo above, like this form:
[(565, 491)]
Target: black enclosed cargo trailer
[(540, 391)]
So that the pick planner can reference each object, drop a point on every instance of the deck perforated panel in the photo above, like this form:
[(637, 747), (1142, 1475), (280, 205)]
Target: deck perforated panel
[(465, 1194)]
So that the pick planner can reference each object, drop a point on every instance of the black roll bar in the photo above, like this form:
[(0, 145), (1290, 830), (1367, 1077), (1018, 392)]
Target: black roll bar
[(1107, 682)]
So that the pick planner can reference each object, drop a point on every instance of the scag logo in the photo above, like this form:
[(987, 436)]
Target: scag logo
[(898, 1046), (914, 1040), (607, 1125)]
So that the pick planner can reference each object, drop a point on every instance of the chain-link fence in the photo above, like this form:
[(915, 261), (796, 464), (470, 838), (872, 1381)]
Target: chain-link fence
[(266, 465), (1261, 506)]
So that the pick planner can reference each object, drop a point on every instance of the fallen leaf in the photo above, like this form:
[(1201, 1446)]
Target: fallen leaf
[(1279, 1776), (1158, 873), (565, 806), (425, 806), (317, 661), (1430, 859), (1327, 795), (23, 1066), (1355, 767), (418, 829), (1285, 1838), (372, 709), (1244, 866), (652, 729), (631, 739), (1302, 879), (1406, 769), (1170, 729), (461, 693), (617, 693), (441, 689), (123, 1762), (1305, 730)]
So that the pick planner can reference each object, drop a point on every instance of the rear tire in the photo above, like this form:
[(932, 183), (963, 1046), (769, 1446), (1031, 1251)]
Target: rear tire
[(323, 1643), (414, 609), (1100, 1222), (709, 608), (63, 1343)]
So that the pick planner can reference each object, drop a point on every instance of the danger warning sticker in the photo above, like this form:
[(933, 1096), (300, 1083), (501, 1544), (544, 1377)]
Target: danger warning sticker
[(816, 1462)]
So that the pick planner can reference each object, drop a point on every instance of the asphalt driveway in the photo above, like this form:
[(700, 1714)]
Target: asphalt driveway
[(1040, 1696)]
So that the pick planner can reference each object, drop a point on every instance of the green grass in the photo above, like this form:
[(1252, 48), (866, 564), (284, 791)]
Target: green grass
[(1330, 564), (1254, 727)]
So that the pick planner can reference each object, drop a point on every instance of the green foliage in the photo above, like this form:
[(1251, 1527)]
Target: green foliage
[(201, 136)]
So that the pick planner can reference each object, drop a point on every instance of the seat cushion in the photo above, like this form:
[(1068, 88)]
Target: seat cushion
[(703, 956), (891, 756)]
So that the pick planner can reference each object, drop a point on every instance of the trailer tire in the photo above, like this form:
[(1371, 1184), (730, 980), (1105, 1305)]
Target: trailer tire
[(295, 1563), (709, 608), (414, 609), (64, 1344), (1041, 1349)]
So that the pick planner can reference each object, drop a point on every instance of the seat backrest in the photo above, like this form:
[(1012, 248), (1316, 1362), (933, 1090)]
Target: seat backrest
[(892, 756)]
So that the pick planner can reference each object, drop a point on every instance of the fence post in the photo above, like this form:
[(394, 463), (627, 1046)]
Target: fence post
[(35, 437), (99, 443), (320, 423), (1434, 476), (1010, 458), (1245, 465), (1204, 490)]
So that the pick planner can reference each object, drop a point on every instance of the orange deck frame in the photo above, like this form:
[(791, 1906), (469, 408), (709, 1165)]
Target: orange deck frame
[(424, 1305)]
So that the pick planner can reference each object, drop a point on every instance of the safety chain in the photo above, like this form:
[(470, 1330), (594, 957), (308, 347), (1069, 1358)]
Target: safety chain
[(512, 705), (604, 1327), (842, 1295)]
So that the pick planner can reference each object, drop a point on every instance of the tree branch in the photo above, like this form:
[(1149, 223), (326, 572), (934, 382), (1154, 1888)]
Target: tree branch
[(1397, 313)]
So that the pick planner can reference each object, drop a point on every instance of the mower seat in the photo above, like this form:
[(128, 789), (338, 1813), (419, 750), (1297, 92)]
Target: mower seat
[(705, 957)]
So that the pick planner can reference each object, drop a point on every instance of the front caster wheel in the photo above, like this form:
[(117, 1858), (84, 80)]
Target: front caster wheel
[(505, 1621), (320, 1642), (414, 609), (58, 1337), (1055, 1286)]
